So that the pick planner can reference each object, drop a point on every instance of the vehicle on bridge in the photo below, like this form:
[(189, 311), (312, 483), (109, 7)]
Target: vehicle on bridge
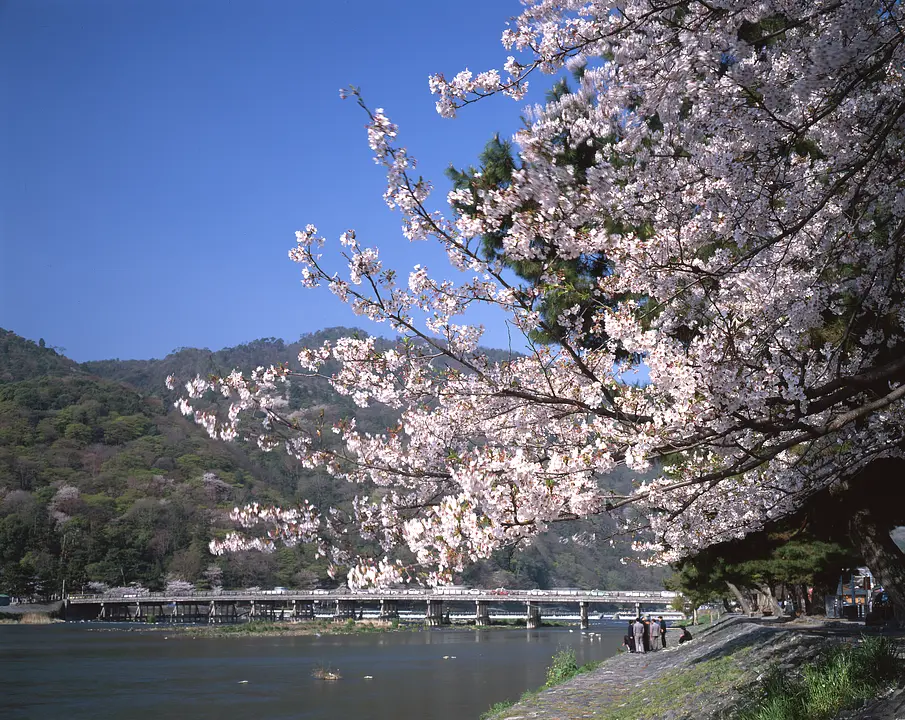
[(452, 590), (669, 615)]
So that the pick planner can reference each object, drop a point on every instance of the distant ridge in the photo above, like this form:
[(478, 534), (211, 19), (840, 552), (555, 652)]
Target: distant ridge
[(21, 359), (101, 480)]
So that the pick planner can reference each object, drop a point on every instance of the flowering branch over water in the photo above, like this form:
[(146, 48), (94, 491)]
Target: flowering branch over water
[(760, 147)]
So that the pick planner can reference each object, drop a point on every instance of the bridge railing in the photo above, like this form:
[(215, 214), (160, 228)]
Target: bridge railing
[(465, 594)]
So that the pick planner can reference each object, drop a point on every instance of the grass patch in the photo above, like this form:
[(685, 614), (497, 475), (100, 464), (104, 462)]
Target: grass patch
[(35, 618), (29, 618), (312, 627), (563, 668), (657, 698), (496, 709), (842, 678)]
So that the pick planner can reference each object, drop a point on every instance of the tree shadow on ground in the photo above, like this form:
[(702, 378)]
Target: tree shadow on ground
[(774, 639)]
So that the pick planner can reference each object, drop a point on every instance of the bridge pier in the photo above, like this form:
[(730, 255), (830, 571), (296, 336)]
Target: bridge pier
[(345, 610), (303, 610), (156, 612), (219, 613), (637, 609), (389, 609), (190, 611), (583, 613), (482, 613), (434, 614), (533, 619)]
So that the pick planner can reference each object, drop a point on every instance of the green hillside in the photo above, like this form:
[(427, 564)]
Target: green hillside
[(101, 481), (22, 359)]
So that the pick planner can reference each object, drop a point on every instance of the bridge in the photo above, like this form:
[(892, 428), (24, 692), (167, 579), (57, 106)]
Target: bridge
[(439, 604)]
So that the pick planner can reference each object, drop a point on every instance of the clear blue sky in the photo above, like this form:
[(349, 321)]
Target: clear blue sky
[(157, 156)]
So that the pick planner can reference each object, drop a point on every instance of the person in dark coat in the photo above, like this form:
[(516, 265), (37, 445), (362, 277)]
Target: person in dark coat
[(645, 633), (686, 636), (662, 631), (629, 639)]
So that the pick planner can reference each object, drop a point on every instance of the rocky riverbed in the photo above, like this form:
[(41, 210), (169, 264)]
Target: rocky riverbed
[(703, 679)]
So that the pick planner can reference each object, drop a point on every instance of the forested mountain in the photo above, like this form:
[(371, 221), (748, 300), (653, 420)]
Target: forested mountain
[(101, 481), (21, 359)]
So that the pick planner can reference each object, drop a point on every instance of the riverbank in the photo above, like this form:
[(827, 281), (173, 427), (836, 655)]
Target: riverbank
[(299, 629), (30, 613), (704, 679), (28, 618)]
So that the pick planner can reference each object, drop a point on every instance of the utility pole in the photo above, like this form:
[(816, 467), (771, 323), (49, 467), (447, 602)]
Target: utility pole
[(854, 599), (63, 566)]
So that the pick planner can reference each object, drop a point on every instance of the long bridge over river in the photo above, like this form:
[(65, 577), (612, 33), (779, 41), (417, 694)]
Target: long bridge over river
[(439, 605)]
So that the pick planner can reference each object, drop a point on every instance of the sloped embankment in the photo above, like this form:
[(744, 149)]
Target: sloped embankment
[(699, 680)]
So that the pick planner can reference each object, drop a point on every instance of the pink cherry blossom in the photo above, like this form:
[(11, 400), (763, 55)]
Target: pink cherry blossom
[(767, 301)]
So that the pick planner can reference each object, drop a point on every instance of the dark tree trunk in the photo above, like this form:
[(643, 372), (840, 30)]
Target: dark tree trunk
[(738, 595), (822, 588), (887, 563), (770, 602), (870, 502), (803, 601)]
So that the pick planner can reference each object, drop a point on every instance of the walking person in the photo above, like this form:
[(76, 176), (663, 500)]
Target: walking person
[(638, 634), (662, 631)]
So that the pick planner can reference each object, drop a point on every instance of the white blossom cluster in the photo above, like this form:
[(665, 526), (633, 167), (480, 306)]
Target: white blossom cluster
[(750, 198), (178, 586)]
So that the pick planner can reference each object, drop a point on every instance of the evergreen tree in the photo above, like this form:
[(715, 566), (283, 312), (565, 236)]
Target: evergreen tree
[(567, 282)]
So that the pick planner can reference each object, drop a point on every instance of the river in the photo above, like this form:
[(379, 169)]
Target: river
[(86, 670)]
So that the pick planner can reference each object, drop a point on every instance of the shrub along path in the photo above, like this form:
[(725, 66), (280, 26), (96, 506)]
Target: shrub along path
[(701, 679)]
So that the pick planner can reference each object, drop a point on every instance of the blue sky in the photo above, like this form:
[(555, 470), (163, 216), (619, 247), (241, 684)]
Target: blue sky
[(158, 157)]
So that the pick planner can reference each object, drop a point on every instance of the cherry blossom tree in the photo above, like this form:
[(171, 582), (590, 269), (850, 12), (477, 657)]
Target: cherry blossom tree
[(750, 203), (178, 586)]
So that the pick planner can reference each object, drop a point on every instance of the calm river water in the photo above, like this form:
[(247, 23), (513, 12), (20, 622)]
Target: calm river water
[(95, 671)]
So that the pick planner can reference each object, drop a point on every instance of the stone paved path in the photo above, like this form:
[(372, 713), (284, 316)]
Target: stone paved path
[(746, 646)]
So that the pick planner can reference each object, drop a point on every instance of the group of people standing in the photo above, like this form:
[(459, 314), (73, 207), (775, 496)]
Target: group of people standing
[(645, 634)]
